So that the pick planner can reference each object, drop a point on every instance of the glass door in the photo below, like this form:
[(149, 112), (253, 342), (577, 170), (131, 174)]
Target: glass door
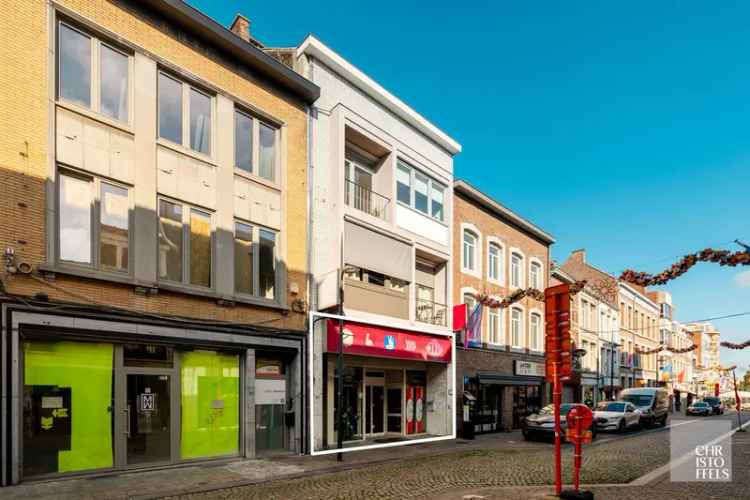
[(148, 428), (375, 409), (394, 403)]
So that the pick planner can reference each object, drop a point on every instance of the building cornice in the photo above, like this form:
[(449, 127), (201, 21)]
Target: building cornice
[(311, 46)]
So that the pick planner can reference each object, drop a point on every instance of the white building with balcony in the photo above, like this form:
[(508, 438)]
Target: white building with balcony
[(381, 233)]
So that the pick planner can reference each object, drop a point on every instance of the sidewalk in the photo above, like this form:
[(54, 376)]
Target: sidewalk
[(158, 483)]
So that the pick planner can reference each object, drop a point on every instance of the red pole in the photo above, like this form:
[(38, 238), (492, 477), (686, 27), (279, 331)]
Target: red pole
[(577, 456), (556, 397)]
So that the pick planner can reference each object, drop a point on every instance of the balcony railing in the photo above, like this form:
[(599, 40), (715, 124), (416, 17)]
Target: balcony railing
[(367, 201), (431, 312)]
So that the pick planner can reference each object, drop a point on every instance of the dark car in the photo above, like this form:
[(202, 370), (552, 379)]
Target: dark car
[(542, 423), (699, 408), (653, 402), (716, 406)]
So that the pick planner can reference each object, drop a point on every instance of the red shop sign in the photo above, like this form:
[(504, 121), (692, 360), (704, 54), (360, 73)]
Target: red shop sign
[(384, 342)]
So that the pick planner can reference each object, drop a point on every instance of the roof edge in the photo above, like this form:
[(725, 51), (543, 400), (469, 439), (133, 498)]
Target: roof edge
[(311, 45), (467, 189), (198, 23)]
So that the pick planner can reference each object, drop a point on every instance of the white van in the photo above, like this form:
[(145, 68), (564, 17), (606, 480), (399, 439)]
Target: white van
[(652, 401)]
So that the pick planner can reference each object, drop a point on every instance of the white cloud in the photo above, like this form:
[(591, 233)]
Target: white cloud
[(742, 279)]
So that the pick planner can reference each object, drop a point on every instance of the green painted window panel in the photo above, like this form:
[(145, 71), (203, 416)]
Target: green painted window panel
[(210, 404), (82, 371)]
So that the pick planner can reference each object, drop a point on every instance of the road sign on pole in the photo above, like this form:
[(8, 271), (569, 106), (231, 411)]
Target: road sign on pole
[(558, 363)]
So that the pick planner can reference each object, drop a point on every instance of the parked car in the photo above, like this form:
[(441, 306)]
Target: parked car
[(653, 403), (542, 423), (616, 416), (717, 407), (699, 408)]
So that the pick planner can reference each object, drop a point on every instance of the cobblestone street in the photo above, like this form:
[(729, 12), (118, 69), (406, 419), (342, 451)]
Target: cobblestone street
[(501, 473)]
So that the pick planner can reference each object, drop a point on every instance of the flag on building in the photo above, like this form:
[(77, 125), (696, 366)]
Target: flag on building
[(681, 376), (473, 337)]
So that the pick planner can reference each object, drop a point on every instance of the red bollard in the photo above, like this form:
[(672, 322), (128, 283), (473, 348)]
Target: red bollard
[(579, 419)]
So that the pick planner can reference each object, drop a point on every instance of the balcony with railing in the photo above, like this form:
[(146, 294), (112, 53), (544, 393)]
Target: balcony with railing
[(431, 312), (366, 200)]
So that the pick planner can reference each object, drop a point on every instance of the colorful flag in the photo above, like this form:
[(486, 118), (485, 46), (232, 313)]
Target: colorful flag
[(681, 376), (473, 337), (666, 372)]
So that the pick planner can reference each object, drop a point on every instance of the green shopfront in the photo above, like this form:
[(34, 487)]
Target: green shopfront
[(113, 395)]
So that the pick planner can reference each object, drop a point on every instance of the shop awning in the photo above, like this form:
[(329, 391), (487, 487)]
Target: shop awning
[(372, 340), (502, 379)]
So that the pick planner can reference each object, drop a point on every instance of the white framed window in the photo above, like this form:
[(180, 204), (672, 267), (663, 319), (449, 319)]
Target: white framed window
[(516, 269), (185, 114), (584, 314), (536, 279), (255, 144), (93, 73), (93, 225), (495, 326), (535, 331), (255, 259), (420, 191), (516, 327), (185, 244), (495, 260), (469, 251)]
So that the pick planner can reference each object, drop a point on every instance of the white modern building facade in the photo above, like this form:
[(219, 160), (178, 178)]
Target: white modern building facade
[(381, 232)]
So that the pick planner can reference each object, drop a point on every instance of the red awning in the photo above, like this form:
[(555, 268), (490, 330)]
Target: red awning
[(383, 342)]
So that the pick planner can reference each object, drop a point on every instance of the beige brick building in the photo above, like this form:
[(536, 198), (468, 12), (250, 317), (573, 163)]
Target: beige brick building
[(153, 170), (495, 252)]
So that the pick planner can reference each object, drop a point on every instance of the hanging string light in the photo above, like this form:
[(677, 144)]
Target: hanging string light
[(732, 345), (721, 257), (488, 301), (663, 347)]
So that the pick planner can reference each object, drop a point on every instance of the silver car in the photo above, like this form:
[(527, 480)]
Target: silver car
[(616, 416)]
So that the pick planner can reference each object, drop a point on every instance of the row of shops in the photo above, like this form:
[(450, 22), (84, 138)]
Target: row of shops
[(89, 392), (94, 392)]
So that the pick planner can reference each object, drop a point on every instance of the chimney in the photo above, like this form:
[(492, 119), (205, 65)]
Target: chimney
[(241, 27), (579, 255)]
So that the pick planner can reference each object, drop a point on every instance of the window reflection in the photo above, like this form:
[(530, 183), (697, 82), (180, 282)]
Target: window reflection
[(114, 222), (267, 155), (170, 241), (74, 74), (267, 272), (170, 109), (200, 248), (75, 219), (243, 141), (200, 122), (243, 258), (114, 83)]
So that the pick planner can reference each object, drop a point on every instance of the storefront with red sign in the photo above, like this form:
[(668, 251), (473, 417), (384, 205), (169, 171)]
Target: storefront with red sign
[(395, 384)]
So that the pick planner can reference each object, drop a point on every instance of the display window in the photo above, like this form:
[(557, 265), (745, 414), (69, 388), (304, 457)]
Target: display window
[(210, 404), (67, 407)]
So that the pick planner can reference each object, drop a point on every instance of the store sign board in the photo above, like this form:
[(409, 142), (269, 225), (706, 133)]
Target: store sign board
[(528, 368), (371, 340), (270, 391)]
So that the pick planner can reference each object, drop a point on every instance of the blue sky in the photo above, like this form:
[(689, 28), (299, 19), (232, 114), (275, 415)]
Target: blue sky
[(620, 128)]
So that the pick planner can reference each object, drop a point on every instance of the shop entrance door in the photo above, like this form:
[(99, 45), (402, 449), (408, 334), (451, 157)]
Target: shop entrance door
[(394, 404), (375, 409), (148, 429)]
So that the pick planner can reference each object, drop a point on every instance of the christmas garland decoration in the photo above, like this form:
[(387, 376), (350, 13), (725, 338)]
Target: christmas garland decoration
[(662, 347), (732, 345), (519, 294), (514, 297), (721, 257)]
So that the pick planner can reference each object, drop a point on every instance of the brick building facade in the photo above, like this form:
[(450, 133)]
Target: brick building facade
[(156, 272), (496, 252)]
